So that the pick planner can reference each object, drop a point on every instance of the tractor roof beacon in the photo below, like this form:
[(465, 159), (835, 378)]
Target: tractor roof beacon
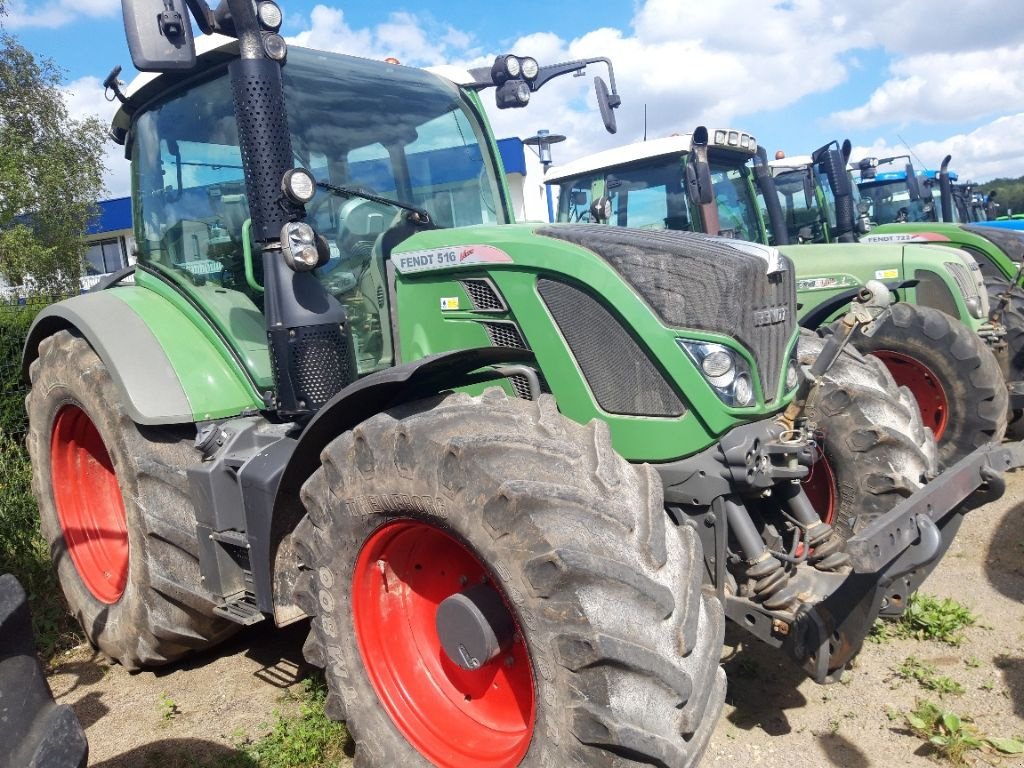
[(719, 181), (344, 385)]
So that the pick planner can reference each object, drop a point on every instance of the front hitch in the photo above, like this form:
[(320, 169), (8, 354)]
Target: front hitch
[(892, 556)]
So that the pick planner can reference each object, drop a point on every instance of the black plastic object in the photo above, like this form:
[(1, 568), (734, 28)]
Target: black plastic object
[(159, 34), (605, 104), (34, 730), (474, 626), (766, 185), (946, 190), (830, 159)]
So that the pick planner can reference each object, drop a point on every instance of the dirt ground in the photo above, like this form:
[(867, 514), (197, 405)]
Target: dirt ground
[(198, 713)]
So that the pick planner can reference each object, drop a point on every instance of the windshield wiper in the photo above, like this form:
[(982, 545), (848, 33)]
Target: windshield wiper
[(416, 215)]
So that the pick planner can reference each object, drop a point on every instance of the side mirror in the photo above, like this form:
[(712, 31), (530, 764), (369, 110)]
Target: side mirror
[(698, 171), (606, 102), (159, 34), (913, 186), (601, 210)]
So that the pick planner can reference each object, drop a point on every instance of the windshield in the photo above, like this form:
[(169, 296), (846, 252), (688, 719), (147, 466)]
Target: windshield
[(800, 205), (647, 195), (734, 197), (890, 202), (396, 132)]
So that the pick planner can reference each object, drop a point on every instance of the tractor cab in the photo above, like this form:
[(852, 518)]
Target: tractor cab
[(193, 223)]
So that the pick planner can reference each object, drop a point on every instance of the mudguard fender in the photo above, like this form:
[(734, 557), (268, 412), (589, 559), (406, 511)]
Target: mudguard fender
[(189, 380)]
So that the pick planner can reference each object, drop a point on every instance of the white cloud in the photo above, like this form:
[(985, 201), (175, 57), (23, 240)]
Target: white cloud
[(938, 87), (992, 150), (414, 40), (55, 13)]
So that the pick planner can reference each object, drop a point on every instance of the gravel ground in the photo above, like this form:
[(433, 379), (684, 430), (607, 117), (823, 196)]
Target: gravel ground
[(194, 714)]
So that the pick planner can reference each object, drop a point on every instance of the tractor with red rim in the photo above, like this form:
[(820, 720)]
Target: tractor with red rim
[(515, 475)]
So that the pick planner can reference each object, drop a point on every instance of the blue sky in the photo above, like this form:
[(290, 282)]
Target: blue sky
[(796, 73)]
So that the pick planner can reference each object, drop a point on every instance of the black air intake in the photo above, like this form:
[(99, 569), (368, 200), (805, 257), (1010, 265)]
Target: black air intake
[(618, 372), (708, 284)]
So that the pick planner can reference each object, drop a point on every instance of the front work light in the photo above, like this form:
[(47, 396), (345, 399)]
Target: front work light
[(298, 185), (275, 47), (269, 15), (299, 246), (513, 94), (530, 67)]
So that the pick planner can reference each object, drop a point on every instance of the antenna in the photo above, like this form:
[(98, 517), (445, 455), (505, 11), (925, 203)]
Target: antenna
[(645, 121), (914, 154)]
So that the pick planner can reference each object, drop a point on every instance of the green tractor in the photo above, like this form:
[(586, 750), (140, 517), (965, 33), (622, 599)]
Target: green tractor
[(709, 182), (517, 475), (998, 251), (836, 210)]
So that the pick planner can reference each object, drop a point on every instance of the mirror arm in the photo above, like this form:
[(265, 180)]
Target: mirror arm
[(205, 18)]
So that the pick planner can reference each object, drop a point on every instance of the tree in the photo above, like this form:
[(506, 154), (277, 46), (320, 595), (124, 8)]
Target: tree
[(51, 173)]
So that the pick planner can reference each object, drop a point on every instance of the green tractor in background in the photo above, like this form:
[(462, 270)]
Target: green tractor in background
[(935, 340), (517, 475), (834, 208), (998, 251)]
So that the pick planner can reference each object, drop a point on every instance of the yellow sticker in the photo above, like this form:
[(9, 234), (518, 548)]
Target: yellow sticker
[(449, 303), (886, 274)]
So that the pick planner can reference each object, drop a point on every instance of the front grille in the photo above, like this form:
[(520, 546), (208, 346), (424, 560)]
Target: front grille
[(521, 385), (483, 296), (505, 334), (964, 278), (622, 377), (708, 284)]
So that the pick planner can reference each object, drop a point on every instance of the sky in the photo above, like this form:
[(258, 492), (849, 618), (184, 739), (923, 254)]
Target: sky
[(893, 76)]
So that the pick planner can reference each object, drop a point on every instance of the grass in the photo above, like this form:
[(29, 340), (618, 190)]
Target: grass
[(307, 739), (953, 736), (24, 553), (926, 675), (927, 618)]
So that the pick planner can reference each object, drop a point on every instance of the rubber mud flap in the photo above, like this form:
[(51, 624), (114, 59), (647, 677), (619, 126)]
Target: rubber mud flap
[(36, 732)]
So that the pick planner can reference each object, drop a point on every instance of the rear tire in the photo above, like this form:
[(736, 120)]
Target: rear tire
[(619, 647), (1012, 317), (135, 588), (955, 378), (875, 449)]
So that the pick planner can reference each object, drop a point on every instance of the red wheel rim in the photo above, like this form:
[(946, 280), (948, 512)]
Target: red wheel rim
[(454, 717), (89, 504), (821, 489), (923, 384)]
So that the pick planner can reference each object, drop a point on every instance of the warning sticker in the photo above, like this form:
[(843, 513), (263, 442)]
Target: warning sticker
[(886, 274), (449, 303), (447, 257)]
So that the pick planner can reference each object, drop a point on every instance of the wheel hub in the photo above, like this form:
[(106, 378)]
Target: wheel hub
[(474, 626)]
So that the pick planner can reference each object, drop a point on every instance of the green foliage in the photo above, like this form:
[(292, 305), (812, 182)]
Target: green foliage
[(51, 174), (932, 618), (306, 740), (168, 709), (953, 736), (1010, 193), (926, 675), (23, 550)]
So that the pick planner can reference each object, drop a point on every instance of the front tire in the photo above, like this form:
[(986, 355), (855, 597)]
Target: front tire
[(954, 377), (614, 657), (115, 509), (875, 450)]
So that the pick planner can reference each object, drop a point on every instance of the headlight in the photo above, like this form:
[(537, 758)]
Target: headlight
[(792, 374), (726, 372), (974, 307), (514, 93), (299, 246), (530, 67)]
